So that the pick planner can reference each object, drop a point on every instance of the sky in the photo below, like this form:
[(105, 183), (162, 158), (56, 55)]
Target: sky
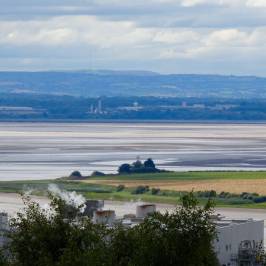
[(166, 36)]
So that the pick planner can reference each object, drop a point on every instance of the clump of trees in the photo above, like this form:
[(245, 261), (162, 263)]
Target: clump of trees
[(155, 191), (138, 166), (49, 238), (97, 173), (120, 188), (140, 190), (76, 175)]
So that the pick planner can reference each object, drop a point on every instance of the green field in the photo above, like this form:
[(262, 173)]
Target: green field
[(185, 176), (109, 192)]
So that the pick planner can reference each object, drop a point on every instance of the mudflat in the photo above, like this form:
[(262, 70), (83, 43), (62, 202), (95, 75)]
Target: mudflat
[(50, 150)]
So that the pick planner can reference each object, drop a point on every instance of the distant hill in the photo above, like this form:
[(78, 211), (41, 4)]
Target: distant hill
[(132, 83)]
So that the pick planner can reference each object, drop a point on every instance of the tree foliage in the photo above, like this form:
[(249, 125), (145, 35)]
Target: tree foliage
[(124, 168), (138, 167), (149, 163), (49, 237)]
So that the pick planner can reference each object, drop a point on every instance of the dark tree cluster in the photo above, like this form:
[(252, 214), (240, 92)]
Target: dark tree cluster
[(138, 167), (47, 238)]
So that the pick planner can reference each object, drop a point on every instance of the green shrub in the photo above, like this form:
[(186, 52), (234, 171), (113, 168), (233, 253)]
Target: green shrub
[(47, 238), (206, 194), (98, 173), (120, 188), (155, 191), (140, 190)]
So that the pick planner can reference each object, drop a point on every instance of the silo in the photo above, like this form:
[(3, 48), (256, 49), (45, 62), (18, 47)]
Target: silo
[(142, 211), (4, 228), (3, 221), (104, 217)]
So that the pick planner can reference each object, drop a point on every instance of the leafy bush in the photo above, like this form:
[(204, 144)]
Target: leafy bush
[(225, 195), (149, 163), (155, 191), (207, 194), (260, 199), (75, 174), (120, 188), (141, 190), (98, 173), (124, 168)]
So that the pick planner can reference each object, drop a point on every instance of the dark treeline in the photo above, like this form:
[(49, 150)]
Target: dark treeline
[(127, 83), (138, 167), (116, 108)]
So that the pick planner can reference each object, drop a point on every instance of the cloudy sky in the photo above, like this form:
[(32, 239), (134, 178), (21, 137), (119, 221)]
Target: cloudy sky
[(168, 36)]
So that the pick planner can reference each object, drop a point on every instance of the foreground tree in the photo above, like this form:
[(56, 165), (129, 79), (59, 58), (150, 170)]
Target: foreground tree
[(55, 237), (182, 238)]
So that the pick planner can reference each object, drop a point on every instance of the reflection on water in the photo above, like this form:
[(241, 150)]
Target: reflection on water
[(50, 150)]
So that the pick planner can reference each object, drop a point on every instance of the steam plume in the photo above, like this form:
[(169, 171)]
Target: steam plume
[(71, 198)]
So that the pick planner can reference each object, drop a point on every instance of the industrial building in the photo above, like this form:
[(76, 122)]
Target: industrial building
[(4, 228), (238, 241)]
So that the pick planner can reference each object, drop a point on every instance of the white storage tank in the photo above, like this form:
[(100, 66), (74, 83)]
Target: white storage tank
[(144, 210), (3, 221), (4, 227), (104, 217)]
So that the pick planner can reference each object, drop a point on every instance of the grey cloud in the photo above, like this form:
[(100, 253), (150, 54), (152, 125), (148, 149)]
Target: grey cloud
[(158, 35), (152, 13)]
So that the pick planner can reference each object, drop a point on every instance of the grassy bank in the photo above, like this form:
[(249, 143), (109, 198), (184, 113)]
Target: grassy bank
[(187, 176), (99, 188)]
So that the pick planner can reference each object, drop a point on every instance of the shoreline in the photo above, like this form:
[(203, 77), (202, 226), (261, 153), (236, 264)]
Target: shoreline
[(137, 121), (12, 202)]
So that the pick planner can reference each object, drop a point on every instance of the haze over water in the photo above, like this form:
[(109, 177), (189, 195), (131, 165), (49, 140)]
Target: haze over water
[(51, 150)]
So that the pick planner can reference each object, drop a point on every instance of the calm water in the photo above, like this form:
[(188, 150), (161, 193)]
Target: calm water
[(49, 150)]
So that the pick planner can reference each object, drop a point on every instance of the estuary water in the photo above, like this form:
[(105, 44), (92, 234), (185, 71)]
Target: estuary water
[(51, 150)]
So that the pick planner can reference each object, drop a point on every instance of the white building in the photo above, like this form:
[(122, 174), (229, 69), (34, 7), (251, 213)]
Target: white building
[(238, 241), (4, 228)]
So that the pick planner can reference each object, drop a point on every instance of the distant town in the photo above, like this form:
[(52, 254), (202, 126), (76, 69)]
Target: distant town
[(48, 107), (129, 95)]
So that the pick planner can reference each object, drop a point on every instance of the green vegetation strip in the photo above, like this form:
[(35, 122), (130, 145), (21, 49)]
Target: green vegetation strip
[(107, 192), (201, 175)]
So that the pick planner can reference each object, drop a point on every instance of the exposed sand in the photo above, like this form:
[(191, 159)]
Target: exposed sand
[(50, 150), (12, 202), (233, 186)]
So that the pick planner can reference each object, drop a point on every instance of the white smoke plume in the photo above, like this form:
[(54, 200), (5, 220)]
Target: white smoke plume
[(71, 198), (27, 191)]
